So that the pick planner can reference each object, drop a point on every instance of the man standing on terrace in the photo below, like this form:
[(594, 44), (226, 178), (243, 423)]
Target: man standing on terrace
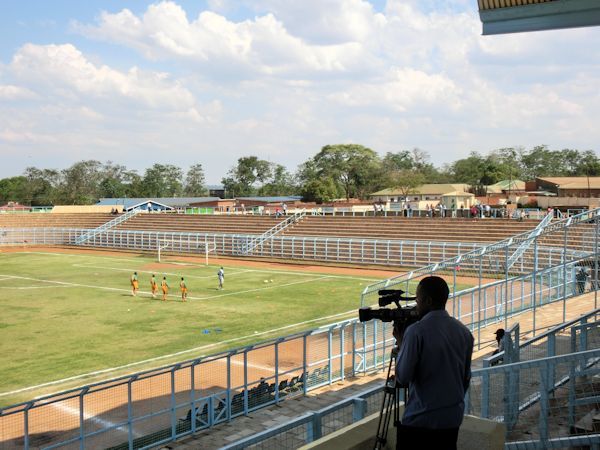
[(434, 362)]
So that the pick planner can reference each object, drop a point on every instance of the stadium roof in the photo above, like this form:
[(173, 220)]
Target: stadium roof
[(514, 16), (283, 198), (173, 202), (501, 186), (427, 189), (573, 182)]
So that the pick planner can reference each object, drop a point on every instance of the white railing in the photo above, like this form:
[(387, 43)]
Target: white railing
[(280, 227), (107, 226)]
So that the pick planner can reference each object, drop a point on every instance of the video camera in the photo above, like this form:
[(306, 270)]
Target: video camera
[(401, 316)]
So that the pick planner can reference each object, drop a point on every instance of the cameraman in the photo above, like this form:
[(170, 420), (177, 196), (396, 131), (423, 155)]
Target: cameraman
[(434, 362)]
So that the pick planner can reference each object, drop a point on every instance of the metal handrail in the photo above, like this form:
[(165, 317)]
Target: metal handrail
[(108, 225), (281, 226)]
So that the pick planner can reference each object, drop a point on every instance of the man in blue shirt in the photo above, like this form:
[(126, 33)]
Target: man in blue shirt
[(434, 362)]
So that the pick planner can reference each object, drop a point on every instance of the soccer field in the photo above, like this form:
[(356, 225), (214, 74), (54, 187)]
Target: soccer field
[(66, 315)]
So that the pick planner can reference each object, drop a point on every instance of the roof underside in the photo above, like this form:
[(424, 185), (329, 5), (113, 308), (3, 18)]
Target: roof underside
[(514, 16)]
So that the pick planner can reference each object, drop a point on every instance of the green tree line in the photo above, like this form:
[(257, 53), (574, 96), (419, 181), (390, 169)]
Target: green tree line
[(336, 171)]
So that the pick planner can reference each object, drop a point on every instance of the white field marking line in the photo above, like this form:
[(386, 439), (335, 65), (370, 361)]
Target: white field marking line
[(38, 287), (202, 266), (264, 288), (102, 288), (304, 274), (210, 297), (182, 352), (4, 278), (87, 416), (150, 271), (71, 255)]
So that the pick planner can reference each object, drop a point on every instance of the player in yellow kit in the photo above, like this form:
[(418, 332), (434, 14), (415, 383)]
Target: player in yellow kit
[(153, 286), (183, 287), (165, 288), (134, 284)]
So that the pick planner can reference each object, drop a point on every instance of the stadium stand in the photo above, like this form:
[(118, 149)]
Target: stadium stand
[(414, 228), (58, 220), (234, 224)]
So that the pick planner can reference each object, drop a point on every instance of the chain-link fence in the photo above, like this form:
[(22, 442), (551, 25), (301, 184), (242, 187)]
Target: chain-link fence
[(338, 250), (160, 405), (489, 284)]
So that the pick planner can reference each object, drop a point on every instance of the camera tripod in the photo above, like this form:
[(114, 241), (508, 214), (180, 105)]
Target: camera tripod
[(390, 406)]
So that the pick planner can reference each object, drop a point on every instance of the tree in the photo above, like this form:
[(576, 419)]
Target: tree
[(41, 186), (162, 180), (13, 189), (280, 183), (352, 167), (194, 181), (319, 191), (242, 180), (406, 181), (80, 183)]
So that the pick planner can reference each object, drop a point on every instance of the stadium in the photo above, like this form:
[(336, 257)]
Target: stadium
[(157, 371), (233, 323)]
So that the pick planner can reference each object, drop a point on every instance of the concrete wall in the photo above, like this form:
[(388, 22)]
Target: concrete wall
[(475, 434)]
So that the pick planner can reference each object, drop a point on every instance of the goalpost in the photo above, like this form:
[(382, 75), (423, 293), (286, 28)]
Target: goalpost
[(203, 248)]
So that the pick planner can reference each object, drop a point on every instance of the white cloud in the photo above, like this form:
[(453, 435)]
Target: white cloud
[(290, 77), (65, 70), (262, 45), (11, 92), (402, 90)]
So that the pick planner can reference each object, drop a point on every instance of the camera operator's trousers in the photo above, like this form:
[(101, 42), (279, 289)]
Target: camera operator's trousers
[(417, 438)]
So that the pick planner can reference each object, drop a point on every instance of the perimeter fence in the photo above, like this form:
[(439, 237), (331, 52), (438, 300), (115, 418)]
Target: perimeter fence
[(160, 405), (523, 272), (332, 250)]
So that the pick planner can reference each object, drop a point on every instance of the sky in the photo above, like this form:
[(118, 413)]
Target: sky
[(190, 81)]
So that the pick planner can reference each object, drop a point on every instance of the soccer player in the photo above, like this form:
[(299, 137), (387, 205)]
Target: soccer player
[(134, 284), (221, 275), (183, 290), (153, 286), (165, 288)]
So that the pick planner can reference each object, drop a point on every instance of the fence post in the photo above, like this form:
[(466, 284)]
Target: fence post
[(130, 412), (313, 429), (82, 418), (359, 409), (26, 426), (543, 426), (485, 391), (174, 404), (304, 365), (342, 351)]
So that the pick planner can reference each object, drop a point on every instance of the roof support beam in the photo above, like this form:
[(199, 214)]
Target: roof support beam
[(541, 16)]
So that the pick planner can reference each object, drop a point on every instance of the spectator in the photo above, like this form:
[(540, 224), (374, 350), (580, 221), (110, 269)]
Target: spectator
[(581, 280), (473, 211), (500, 341)]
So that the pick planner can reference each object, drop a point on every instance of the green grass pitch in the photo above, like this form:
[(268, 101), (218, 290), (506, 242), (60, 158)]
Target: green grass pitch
[(68, 315), (64, 315)]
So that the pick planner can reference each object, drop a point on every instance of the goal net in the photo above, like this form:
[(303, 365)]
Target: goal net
[(170, 246)]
